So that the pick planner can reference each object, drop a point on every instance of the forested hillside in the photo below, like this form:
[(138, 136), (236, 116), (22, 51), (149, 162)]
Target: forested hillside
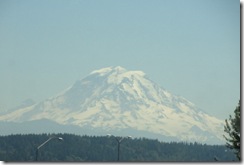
[(104, 148)]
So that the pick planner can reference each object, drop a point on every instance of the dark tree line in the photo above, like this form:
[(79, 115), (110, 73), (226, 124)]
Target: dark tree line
[(104, 149)]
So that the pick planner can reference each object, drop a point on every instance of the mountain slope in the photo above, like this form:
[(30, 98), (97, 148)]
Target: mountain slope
[(115, 100)]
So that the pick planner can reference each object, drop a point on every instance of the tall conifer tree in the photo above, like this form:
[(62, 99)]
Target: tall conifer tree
[(232, 128)]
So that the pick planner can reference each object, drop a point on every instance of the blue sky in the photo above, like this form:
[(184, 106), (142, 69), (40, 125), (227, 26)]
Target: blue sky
[(189, 47)]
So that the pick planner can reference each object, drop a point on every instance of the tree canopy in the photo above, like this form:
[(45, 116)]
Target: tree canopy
[(232, 128), (77, 148)]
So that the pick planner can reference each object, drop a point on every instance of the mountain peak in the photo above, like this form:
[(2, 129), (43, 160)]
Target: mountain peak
[(107, 70), (117, 71), (119, 68)]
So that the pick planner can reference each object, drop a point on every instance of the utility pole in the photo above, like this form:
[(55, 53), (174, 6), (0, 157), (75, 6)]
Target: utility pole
[(119, 140), (53, 137)]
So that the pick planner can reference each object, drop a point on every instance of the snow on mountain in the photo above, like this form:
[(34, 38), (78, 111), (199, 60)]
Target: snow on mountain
[(114, 100)]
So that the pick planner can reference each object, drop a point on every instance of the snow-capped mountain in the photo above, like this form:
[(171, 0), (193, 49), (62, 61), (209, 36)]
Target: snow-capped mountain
[(115, 100)]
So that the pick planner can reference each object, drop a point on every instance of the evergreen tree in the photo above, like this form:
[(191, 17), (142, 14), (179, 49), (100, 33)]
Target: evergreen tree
[(104, 149), (232, 128)]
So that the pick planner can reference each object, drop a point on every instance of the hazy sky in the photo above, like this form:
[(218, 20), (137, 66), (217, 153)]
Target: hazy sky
[(189, 47)]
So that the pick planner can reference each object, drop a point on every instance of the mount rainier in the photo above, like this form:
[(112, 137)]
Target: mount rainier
[(120, 102)]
